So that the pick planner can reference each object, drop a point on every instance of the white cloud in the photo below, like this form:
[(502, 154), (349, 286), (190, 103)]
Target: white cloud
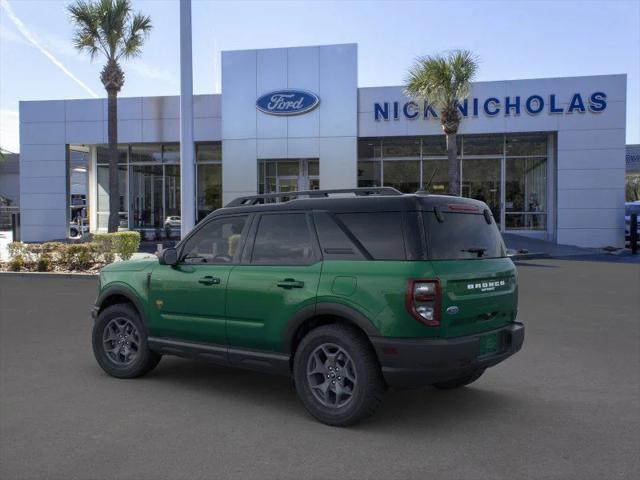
[(9, 130), (31, 37)]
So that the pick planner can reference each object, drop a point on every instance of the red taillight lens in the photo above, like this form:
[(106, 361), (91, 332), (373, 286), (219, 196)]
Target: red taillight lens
[(423, 301)]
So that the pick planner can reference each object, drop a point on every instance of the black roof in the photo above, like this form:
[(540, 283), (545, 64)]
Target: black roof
[(369, 203)]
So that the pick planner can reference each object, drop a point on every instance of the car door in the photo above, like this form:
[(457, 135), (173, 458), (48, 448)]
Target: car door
[(188, 299), (278, 276)]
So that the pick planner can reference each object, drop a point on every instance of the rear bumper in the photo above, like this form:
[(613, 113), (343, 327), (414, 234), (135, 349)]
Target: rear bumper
[(408, 363)]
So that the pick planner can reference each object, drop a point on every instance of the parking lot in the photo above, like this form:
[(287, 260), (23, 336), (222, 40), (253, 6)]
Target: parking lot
[(567, 406)]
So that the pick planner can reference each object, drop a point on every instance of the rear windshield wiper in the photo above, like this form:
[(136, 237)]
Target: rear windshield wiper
[(479, 250)]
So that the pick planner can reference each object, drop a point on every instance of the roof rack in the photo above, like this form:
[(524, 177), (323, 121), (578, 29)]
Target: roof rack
[(360, 192)]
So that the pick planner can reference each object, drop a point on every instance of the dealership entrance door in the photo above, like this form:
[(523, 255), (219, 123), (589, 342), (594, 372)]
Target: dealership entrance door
[(288, 175)]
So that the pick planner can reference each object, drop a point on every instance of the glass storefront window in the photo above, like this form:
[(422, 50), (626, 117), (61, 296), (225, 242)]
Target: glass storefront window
[(369, 174), (507, 171), (438, 169), (102, 154), (209, 178), (172, 190), (145, 153), (314, 167), (403, 147), (209, 189), (526, 144), (209, 152), (481, 181), (526, 193), (146, 192), (171, 153), (482, 145), (368, 148), (102, 191), (435, 146), (404, 175)]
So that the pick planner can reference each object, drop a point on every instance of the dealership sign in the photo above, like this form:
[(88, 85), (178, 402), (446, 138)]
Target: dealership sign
[(493, 106), (287, 102)]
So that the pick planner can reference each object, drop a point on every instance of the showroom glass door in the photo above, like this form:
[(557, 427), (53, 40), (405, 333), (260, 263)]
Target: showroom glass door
[(482, 180), (288, 175)]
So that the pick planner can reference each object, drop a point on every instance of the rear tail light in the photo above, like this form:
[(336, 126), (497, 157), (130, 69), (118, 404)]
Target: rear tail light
[(423, 301)]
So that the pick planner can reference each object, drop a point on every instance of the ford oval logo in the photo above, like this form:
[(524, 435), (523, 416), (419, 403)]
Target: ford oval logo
[(287, 102)]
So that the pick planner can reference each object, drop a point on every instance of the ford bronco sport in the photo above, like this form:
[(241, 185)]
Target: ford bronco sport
[(348, 295)]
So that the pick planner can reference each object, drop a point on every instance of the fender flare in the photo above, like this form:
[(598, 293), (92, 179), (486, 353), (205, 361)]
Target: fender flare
[(327, 308), (128, 293)]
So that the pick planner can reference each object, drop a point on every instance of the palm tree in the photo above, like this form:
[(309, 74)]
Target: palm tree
[(444, 81), (112, 29)]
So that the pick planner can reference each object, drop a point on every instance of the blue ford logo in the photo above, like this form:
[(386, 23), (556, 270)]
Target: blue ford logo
[(287, 102)]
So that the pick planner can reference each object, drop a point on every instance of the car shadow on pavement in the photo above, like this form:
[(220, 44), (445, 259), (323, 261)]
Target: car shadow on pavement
[(410, 410)]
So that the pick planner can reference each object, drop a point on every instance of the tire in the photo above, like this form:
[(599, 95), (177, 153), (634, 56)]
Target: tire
[(133, 358), (339, 354), (460, 381)]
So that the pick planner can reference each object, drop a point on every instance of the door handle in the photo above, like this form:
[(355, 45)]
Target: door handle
[(209, 280), (289, 283)]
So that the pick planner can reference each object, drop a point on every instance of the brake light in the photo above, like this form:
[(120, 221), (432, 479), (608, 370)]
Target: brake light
[(462, 207), (423, 301)]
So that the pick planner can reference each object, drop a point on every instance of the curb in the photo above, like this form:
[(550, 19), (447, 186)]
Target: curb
[(83, 276)]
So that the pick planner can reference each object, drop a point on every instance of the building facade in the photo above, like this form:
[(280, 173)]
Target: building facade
[(547, 155)]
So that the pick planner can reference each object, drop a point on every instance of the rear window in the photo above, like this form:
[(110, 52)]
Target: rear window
[(462, 236), (379, 233)]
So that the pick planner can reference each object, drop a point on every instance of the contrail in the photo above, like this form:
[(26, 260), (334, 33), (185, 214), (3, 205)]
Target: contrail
[(31, 38)]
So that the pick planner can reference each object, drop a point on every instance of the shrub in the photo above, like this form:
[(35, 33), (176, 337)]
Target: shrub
[(44, 263), (79, 256), (16, 249), (126, 244), (16, 263)]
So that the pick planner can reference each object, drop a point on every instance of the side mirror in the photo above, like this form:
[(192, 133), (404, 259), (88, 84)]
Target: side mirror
[(168, 256)]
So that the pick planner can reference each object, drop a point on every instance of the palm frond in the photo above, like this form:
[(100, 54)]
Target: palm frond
[(442, 80), (108, 27), (139, 29)]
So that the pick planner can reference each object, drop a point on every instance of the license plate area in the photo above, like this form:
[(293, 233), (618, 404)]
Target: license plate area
[(489, 344)]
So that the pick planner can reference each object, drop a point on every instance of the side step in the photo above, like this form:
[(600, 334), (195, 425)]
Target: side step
[(258, 360)]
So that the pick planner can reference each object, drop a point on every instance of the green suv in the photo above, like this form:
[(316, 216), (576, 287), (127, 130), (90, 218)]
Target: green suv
[(349, 292)]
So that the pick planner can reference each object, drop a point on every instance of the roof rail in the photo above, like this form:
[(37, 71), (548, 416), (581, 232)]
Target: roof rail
[(257, 199)]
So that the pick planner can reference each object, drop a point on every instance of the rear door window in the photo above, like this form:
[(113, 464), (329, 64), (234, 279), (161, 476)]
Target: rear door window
[(462, 236), (380, 233), (283, 239)]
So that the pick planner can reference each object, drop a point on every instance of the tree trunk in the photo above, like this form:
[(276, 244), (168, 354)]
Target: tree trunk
[(114, 193), (453, 165)]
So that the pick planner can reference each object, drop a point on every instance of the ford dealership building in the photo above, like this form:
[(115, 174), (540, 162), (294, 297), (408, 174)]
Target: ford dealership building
[(547, 155)]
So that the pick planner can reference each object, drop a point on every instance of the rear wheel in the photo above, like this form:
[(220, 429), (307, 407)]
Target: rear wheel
[(120, 343), (460, 381), (337, 375)]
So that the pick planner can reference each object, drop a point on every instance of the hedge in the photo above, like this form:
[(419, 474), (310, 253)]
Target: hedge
[(45, 257)]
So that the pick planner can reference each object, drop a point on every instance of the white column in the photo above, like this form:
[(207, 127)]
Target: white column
[(187, 147)]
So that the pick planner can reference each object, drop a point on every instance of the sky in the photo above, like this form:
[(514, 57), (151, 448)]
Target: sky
[(512, 39)]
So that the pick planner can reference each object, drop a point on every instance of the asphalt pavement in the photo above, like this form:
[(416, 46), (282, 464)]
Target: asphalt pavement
[(566, 407)]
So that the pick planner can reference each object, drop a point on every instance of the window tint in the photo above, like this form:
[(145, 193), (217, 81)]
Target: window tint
[(216, 242), (462, 236), (335, 244), (283, 239), (380, 233)]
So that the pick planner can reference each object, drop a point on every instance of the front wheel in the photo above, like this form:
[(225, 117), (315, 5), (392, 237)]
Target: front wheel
[(460, 381), (337, 375), (120, 343)]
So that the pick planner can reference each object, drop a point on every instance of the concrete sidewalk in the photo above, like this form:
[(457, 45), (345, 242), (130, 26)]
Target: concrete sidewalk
[(521, 247)]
